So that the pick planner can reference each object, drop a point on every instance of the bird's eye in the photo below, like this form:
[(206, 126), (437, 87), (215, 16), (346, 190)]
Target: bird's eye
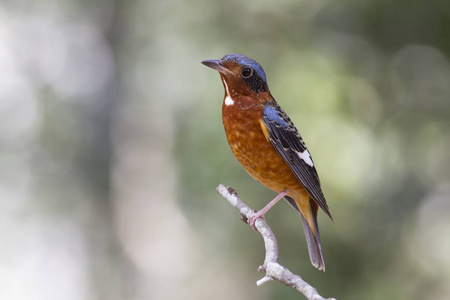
[(246, 72)]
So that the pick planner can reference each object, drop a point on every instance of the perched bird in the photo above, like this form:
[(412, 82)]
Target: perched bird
[(269, 147)]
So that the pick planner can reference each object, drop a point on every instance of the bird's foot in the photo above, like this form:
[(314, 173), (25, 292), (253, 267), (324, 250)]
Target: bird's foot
[(260, 214), (252, 219)]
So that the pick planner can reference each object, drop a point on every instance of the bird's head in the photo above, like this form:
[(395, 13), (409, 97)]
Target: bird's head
[(241, 76)]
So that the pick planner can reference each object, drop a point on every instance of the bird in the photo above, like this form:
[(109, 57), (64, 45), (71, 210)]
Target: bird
[(267, 144)]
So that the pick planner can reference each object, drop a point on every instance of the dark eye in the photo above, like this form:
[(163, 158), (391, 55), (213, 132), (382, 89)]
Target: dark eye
[(246, 72)]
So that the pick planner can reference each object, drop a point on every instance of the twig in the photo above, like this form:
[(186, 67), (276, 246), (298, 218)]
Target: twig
[(274, 271)]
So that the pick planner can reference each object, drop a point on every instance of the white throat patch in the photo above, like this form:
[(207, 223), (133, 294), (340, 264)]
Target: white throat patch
[(306, 157), (228, 100)]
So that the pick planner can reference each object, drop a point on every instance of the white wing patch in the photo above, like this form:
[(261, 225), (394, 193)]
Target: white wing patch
[(228, 100), (306, 157)]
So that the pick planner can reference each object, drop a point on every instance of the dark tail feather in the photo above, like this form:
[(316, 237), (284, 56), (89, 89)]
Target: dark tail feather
[(314, 245)]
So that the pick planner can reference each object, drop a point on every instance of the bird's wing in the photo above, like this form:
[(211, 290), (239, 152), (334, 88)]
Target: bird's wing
[(283, 135)]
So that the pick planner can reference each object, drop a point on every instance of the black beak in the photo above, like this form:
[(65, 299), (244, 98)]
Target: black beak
[(216, 65)]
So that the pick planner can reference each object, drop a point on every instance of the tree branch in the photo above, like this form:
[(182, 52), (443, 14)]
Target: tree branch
[(274, 271)]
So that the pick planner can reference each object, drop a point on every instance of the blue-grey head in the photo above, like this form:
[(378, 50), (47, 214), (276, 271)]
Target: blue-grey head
[(240, 73)]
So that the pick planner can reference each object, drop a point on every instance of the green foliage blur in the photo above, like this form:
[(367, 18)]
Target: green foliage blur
[(112, 145)]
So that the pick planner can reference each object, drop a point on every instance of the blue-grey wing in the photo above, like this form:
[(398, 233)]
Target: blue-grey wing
[(289, 144)]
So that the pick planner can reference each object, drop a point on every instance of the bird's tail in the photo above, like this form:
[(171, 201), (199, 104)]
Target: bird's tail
[(312, 235), (313, 240)]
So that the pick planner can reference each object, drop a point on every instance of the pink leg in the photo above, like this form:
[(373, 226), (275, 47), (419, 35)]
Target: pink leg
[(262, 212)]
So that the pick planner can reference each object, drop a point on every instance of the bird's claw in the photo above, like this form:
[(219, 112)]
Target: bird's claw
[(252, 219)]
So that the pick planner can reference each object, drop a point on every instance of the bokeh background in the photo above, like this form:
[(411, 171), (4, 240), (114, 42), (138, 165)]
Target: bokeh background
[(111, 147)]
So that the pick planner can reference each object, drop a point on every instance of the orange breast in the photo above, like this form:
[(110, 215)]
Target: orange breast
[(253, 151)]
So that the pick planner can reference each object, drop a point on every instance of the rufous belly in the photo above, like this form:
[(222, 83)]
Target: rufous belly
[(257, 155)]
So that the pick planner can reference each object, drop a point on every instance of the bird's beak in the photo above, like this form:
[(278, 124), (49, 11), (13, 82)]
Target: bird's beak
[(217, 65)]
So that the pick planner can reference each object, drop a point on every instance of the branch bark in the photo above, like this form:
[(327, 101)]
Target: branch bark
[(274, 271)]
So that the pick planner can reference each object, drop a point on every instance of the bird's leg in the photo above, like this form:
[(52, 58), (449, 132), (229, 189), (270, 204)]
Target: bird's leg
[(262, 212)]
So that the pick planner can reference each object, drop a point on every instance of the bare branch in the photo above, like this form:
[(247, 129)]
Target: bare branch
[(274, 271)]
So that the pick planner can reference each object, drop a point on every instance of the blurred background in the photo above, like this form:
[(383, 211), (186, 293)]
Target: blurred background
[(112, 145)]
